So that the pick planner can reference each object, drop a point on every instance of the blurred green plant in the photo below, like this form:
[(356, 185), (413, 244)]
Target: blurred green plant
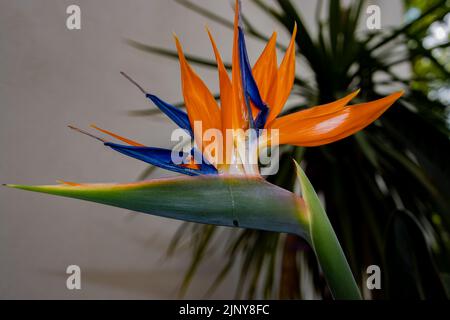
[(386, 189)]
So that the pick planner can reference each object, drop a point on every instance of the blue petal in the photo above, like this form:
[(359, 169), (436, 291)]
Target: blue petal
[(178, 116), (205, 166), (249, 84), (161, 158), (261, 119)]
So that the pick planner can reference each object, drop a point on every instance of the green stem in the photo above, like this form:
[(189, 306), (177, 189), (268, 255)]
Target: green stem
[(326, 245)]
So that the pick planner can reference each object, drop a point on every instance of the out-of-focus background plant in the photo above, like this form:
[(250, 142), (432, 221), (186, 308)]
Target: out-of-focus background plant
[(386, 189)]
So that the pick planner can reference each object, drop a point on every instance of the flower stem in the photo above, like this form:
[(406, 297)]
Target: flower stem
[(326, 245)]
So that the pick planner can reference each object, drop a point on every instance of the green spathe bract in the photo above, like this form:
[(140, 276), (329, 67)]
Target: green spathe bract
[(326, 245), (247, 202), (232, 201)]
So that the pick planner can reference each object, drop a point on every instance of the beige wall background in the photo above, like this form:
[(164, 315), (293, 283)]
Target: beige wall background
[(51, 77)]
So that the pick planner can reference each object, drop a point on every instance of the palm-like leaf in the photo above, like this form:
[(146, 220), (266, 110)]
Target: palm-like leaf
[(364, 179)]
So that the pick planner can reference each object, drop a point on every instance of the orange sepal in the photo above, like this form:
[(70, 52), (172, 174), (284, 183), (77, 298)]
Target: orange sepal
[(227, 106), (265, 72), (317, 111), (200, 103), (285, 80), (226, 91), (240, 116), (112, 134), (316, 130)]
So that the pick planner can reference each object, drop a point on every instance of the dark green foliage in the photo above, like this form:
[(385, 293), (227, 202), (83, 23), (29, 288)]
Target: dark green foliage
[(370, 180)]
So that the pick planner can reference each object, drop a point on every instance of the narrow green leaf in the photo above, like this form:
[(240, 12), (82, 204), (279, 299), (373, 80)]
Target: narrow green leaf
[(249, 28), (197, 257), (412, 273), (174, 55), (146, 173), (334, 24), (326, 245), (206, 13), (156, 111)]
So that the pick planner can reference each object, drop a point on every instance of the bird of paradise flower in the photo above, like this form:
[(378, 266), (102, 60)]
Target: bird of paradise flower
[(232, 193)]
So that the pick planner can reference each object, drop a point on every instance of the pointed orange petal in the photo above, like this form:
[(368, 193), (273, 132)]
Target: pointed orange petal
[(226, 92), (240, 117), (112, 134), (229, 113), (313, 112), (266, 69), (285, 81), (329, 127), (200, 103)]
